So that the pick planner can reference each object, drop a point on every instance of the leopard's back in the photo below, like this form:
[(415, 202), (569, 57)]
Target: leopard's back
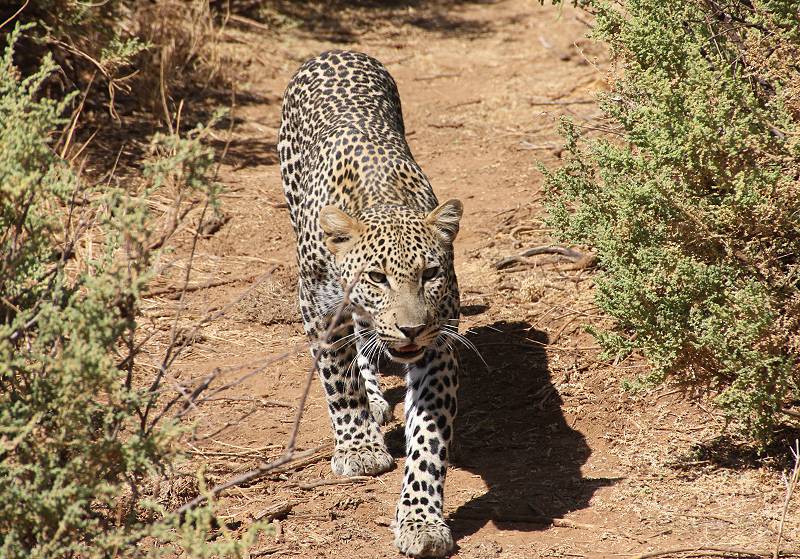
[(342, 141)]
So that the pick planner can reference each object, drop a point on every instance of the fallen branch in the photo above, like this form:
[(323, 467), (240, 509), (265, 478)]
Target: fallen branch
[(714, 549), (464, 103), (262, 401), (527, 146), (436, 77), (564, 523), (324, 452), (266, 551), (341, 481), (588, 261), (574, 255), (575, 102), (525, 519), (178, 290), (246, 477), (447, 125), (276, 510)]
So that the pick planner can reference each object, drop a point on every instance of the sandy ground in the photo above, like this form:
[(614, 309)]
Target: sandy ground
[(545, 429)]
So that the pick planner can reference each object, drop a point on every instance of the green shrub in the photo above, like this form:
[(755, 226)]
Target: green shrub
[(77, 446), (693, 204)]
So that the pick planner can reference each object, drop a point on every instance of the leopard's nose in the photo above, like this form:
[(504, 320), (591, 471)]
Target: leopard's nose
[(411, 332)]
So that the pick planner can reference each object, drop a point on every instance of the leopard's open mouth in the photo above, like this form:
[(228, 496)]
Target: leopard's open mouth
[(408, 352)]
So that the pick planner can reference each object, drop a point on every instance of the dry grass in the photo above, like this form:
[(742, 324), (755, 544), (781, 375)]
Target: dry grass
[(188, 38)]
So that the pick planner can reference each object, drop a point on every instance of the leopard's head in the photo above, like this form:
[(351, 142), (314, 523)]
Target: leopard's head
[(399, 265)]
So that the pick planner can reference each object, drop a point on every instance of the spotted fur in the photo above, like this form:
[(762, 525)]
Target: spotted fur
[(366, 216)]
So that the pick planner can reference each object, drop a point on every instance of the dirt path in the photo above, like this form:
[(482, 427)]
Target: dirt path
[(545, 430)]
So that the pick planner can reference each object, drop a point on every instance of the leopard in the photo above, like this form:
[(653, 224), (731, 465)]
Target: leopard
[(374, 248)]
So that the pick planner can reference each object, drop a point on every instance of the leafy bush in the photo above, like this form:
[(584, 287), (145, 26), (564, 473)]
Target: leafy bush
[(78, 437), (693, 202)]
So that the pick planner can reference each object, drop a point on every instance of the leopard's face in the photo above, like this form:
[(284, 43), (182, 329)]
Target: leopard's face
[(399, 263)]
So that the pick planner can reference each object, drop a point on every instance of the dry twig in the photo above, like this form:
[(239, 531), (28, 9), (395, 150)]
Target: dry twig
[(791, 484), (340, 481), (251, 22), (525, 145), (15, 14), (266, 551)]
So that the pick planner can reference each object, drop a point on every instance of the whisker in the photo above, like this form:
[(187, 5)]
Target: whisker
[(356, 337), (344, 338), (371, 348), (349, 369), (494, 328), (332, 307), (368, 346), (467, 343), (455, 329), (362, 352), (384, 345), (448, 343), (378, 349)]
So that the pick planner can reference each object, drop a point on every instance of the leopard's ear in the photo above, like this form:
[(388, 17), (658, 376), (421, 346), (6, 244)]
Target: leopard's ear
[(339, 228), (445, 219)]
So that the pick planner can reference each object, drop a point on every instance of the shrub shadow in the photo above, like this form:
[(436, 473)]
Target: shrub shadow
[(124, 138), (731, 452), (248, 152), (343, 21)]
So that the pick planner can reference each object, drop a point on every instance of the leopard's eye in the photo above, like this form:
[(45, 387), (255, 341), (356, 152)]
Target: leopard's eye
[(378, 277), (430, 273)]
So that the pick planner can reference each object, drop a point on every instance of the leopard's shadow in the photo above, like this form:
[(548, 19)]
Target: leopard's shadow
[(511, 431)]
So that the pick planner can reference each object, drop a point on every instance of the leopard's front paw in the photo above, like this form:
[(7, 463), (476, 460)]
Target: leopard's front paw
[(380, 410), (424, 537), (367, 459)]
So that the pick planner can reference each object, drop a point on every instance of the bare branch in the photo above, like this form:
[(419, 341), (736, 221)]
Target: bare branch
[(289, 454)]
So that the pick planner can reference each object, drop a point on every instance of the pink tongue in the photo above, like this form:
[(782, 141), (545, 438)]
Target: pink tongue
[(408, 348)]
